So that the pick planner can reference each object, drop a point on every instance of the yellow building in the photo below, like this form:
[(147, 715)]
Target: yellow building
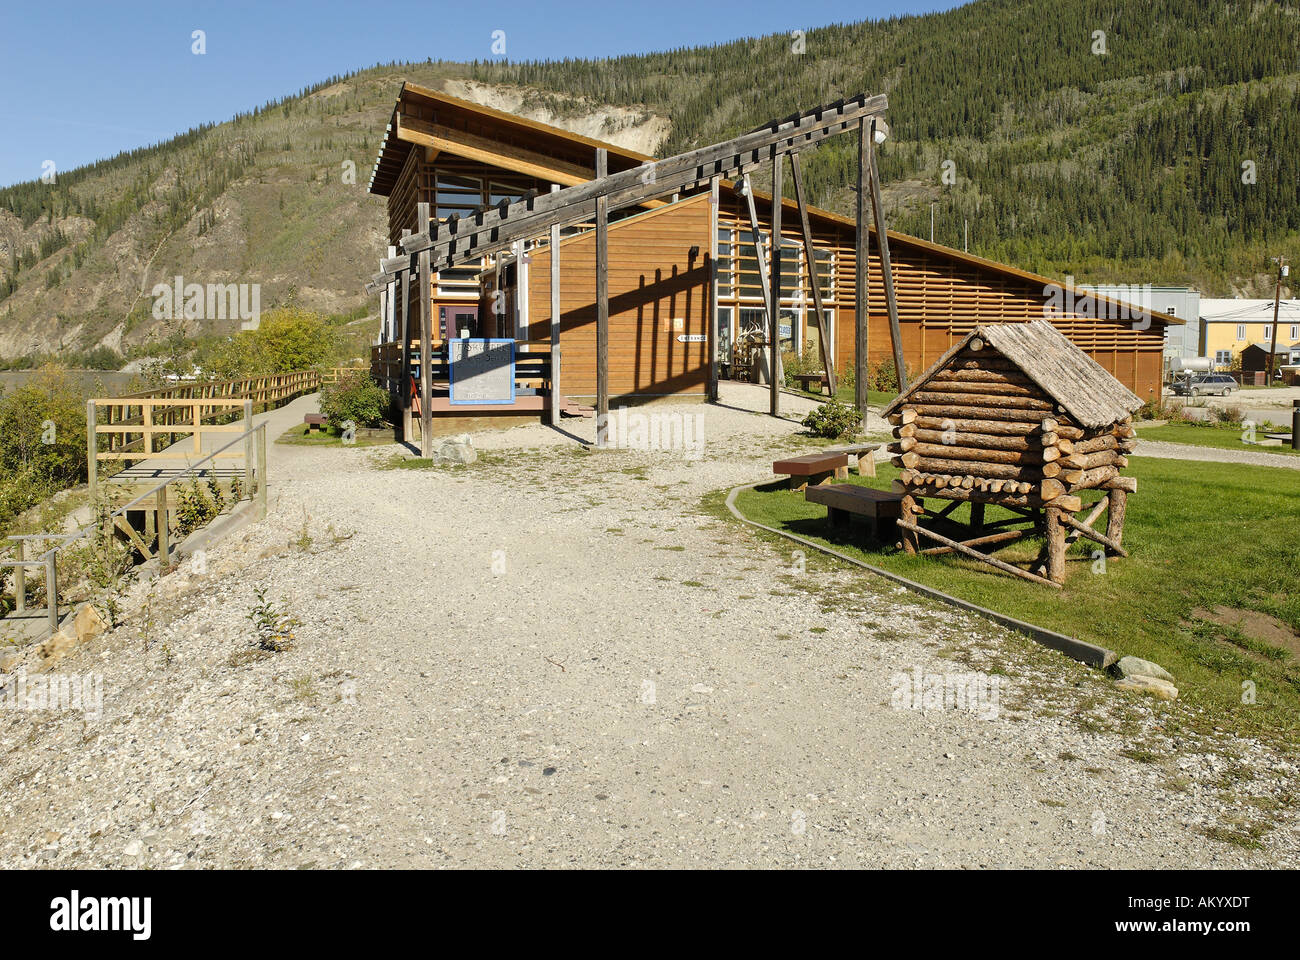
[(1230, 326)]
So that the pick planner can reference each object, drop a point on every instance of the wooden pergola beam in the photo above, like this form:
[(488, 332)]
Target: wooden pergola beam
[(465, 239)]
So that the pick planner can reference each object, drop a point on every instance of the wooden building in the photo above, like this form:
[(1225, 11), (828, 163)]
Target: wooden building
[(1018, 416), (678, 264)]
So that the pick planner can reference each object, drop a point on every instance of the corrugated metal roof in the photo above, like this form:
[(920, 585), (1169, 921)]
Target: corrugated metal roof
[(1083, 387)]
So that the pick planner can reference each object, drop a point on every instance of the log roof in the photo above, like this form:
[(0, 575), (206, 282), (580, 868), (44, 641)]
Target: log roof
[(1083, 387)]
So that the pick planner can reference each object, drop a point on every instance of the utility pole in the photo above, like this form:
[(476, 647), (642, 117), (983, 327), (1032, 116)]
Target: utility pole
[(1282, 271)]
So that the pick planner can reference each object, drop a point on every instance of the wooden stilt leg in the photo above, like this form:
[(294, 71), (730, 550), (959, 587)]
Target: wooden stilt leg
[(1115, 515), (909, 516), (1055, 546), (977, 515)]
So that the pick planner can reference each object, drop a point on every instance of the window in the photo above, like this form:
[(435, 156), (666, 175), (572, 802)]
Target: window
[(724, 333), (457, 195), (1268, 332), (1295, 332), (749, 284), (1241, 331), (724, 268), (1222, 358), (459, 281)]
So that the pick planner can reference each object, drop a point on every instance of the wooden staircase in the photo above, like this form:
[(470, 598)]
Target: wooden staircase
[(572, 408)]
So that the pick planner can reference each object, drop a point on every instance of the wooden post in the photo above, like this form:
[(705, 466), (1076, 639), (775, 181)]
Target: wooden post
[(52, 592), (1115, 514), (758, 251), (809, 253), (426, 343), (602, 305), (92, 452), (164, 532), (977, 514), (715, 334), (886, 271), (909, 515), (1055, 545), (556, 397), (20, 578), (775, 319), (861, 307), (404, 389), (262, 471), (248, 448)]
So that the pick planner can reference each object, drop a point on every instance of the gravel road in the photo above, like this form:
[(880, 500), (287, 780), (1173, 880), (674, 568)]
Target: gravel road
[(560, 658), (1187, 451)]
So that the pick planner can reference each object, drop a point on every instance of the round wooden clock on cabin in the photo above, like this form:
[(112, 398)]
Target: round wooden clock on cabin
[(1018, 416)]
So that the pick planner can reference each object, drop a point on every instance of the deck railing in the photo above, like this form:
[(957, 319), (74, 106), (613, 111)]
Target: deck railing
[(154, 499)]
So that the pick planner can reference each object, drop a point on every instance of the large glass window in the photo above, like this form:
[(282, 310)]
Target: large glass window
[(457, 195), (724, 264)]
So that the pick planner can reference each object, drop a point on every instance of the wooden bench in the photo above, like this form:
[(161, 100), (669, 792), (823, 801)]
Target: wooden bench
[(815, 468), (865, 453), (315, 421), (844, 499), (803, 379)]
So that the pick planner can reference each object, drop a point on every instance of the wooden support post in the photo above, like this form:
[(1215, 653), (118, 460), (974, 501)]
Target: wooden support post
[(20, 578), (715, 334), (52, 592), (248, 448), (261, 472), (426, 342), (758, 251), (977, 515), (906, 521), (602, 305), (404, 389), (775, 271), (92, 452), (1118, 500), (975, 554), (861, 307), (556, 397), (887, 272), (164, 531), (814, 280), (1055, 530)]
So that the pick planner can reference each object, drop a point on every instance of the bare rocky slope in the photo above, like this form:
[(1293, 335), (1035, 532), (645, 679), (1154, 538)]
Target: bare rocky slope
[(287, 208)]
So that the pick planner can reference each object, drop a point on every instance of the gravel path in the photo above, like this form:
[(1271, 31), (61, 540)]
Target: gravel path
[(1187, 451), (559, 658)]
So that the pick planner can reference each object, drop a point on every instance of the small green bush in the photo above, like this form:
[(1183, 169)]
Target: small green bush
[(833, 420), (354, 397), (885, 378)]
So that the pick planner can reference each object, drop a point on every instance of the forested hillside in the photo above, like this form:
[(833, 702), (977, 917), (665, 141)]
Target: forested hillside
[(1135, 141)]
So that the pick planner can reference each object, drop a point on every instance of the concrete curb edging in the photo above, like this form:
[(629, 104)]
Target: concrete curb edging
[(1081, 650)]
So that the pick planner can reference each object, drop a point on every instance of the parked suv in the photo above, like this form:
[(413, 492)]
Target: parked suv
[(1210, 383)]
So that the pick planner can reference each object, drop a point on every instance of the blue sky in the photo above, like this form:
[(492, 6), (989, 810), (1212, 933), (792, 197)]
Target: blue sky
[(85, 80)]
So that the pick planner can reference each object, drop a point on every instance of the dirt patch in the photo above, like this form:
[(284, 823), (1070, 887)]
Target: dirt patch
[(1253, 624)]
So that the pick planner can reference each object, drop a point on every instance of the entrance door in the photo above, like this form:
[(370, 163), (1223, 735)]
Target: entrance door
[(459, 322)]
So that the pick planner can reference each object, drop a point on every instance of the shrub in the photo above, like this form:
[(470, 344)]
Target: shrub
[(354, 397), (833, 420), (885, 378)]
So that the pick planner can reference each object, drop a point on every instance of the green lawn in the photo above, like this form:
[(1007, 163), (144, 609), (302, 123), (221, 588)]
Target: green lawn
[(875, 398), (1224, 436), (1200, 535), (330, 437)]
